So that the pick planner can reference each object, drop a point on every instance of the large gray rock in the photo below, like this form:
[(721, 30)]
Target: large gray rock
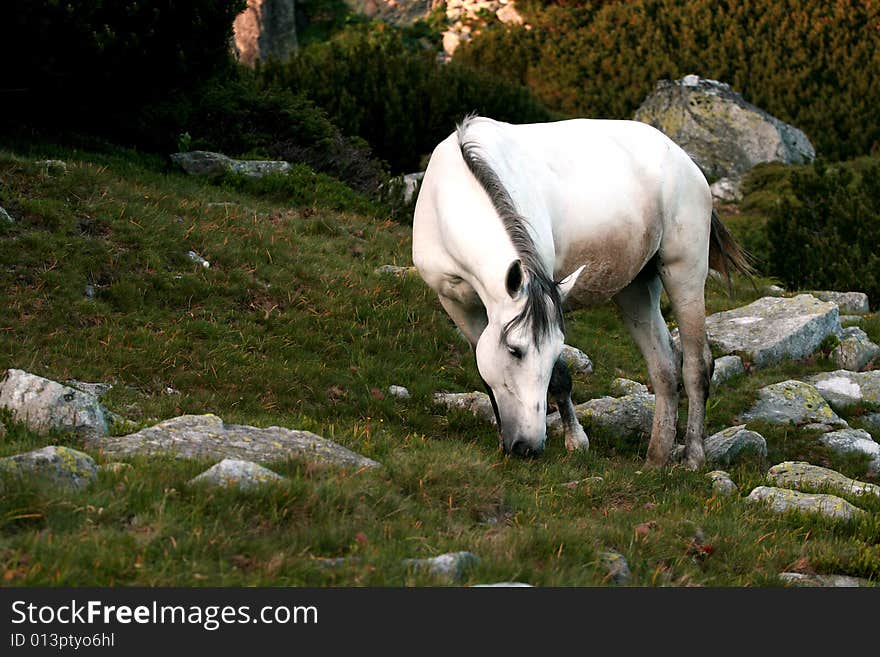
[(628, 417), (726, 446), (792, 402), (236, 473), (801, 475), (726, 368), (265, 29), (57, 466), (477, 403), (208, 437), (843, 389), (452, 566), (773, 329), (824, 581), (848, 303), (855, 350), (781, 500), (722, 132), (854, 441), (578, 362), (208, 164), (44, 405)]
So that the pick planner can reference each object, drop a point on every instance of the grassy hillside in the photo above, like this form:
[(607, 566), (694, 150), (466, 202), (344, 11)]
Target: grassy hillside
[(291, 326)]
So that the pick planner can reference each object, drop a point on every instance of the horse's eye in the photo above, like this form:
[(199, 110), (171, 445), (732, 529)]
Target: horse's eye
[(516, 352)]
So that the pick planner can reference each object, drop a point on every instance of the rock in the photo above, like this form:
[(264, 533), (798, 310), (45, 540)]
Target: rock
[(801, 475), (411, 182), (854, 441), (726, 368), (476, 403), (208, 437), (398, 391), (236, 473), (792, 402), (208, 164), (587, 481), (451, 566), (58, 466), (509, 15), (53, 167), (90, 291), (725, 135), (622, 387), (781, 500), (44, 405), (95, 389), (725, 447), (848, 303), (773, 329), (618, 569), (265, 29), (855, 349), (722, 484), (773, 291), (843, 389), (871, 421), (727, 190), (629, 417), (578, 362), (805, 579), (196, 258), (394, 270), (5, 217)]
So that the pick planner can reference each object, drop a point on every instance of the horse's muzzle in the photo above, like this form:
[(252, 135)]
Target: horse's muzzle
[(525, 449)]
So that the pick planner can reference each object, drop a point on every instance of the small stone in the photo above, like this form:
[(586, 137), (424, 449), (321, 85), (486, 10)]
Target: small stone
[(578, 362), (398, 391), (90, 291), (792, 403), (58, 466), (206, 163), (722, 484), (53, 167), (196, 258), (855, 349), (726, 368), (848, 303), (773, 290), (621, 387), (629, 417), (854, 441), (237, 473), (800, 475), (5, 217), (477, 403), (836, 581), (616, 565), (171, 391), (726, 446), (781, 500), (394, 270), (451, 566), (727, 190)]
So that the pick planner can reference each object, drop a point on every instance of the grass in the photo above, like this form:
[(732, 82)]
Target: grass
[(291, 326)]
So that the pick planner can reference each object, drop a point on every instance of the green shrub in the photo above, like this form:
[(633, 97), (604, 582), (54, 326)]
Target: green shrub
[(827, 234)]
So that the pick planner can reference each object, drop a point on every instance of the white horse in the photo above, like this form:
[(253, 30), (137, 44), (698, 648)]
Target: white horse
[(513, 221)]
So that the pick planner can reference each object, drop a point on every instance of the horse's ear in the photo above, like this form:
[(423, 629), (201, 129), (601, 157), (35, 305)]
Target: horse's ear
[(566, 285), (514, 279)]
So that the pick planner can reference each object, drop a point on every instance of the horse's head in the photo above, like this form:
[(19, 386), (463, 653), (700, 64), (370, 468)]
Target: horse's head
[(517, 351)]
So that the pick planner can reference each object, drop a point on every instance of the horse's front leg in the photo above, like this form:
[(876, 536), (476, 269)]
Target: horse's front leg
[(560, 393)]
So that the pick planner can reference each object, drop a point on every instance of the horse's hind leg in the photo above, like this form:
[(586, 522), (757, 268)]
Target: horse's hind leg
[(560, 393), (639, 304), (685, 284)]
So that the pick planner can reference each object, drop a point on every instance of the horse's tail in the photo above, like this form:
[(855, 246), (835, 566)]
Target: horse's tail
[(725, 253)]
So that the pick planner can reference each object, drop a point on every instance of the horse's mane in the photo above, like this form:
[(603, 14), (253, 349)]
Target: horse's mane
[(543, 304)]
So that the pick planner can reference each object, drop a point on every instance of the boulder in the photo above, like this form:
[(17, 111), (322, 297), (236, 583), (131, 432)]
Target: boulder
[(208, 437), (476, 403), (854, 441), (843, 389), (61, 467), (801, 475), (451, 566), (266, 28), (621, 387), (848, 303), (629, 417), (722, 132), (782, 500), (208, 164), (825, 581), (616, 565), (722, 484), (773, 329), (792, 402), (236, 473), (578, 362), (726, 446), (726, 368), (855, 349), (44, 405)]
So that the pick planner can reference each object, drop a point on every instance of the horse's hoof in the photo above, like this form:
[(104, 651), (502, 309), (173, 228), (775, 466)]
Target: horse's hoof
[(577, 440)]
